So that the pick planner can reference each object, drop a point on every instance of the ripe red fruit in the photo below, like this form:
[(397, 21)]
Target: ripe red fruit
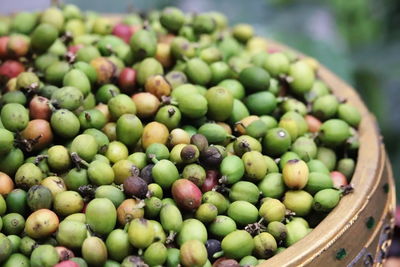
[(127, 80), (67, 264), (10, 69), (123, 31), (186, 194), (338, 179), (84, 207), (40, 131), (3, 46), (74, 48), (211, 181), (313, 123), (39, 108)]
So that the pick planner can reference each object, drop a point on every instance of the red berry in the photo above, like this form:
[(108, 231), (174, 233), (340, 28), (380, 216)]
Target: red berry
[(123, 31), (74, 48), (186, 194), (211, 181), (10, 69), (338, 179), (127, 80)]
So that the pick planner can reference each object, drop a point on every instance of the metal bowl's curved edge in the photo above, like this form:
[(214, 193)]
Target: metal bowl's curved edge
[(385, 239), (381, 173)]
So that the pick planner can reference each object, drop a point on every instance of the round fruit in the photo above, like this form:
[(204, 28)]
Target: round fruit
[(41, 223), (237, 244)]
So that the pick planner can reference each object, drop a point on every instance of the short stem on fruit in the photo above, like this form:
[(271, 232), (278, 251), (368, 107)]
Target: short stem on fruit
[(282, 76), (35, 245), (221, 189), (146, 25), (110, 49), (51, 105), (245, 145), (87, 116), (78, 161), (280, 99), (289, 214), (26, 144), (218, 254), (165, 100), (149, 194), (240, 123), (289, 79), (346, 189), (255, 228), (314, 136), (170, 237), (185, 58), (66, 38), (103, 149), (135, 171), (89, 231), (70, 57), (141, 204), (223, 179), (174, 102), (232, 137), (153, 158), (113, 93), (171, 112), (87, 191), (32, 88), (39, 158), (126, 227), (137, 199)]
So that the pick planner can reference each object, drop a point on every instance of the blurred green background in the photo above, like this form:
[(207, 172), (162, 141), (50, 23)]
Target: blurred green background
[(359, 40)]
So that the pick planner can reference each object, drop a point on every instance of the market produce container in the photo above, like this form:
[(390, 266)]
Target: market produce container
[(358, 231)]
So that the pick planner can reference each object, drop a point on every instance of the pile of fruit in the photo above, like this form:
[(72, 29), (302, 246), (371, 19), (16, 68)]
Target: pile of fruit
[(165, 139)]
